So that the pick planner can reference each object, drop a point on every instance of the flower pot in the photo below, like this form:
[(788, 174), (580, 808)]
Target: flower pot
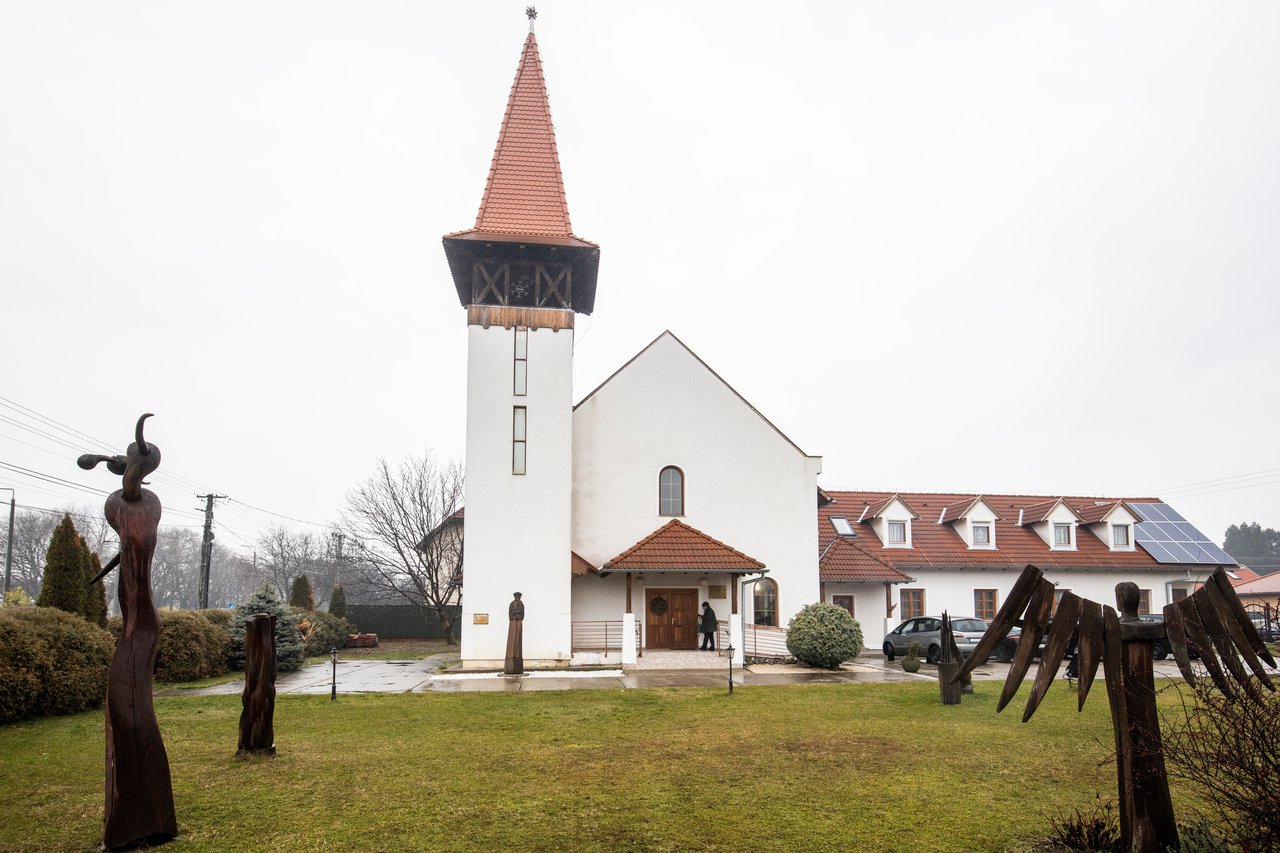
[(911, 664)]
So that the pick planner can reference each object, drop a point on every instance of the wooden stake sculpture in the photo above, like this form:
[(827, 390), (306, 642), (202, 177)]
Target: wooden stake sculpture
[(139, 794), (949, 664), (1212, 618), (257, 720)]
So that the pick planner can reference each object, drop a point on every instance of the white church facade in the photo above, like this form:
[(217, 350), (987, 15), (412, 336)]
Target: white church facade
[(618, 516)]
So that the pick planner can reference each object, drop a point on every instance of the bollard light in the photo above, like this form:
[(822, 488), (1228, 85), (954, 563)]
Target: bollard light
[(729, 649), (333, 655)]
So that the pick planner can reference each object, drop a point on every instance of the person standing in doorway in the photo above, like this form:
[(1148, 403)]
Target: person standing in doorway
[(708, 627)]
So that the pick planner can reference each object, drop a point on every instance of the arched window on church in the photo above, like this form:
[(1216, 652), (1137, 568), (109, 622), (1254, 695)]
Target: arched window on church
[(671, 491), (766, 602)]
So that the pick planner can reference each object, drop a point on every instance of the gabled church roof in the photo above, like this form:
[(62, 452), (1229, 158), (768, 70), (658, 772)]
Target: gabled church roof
[(677, 547), (524, 196), (707, 367)]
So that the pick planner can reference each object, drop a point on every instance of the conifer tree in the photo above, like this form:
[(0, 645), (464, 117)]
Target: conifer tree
[(64, 580), (338, 601), (300, 595), (290, 652), (95, 597)]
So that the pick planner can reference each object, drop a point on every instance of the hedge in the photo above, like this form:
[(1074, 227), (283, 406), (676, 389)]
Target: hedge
[(51, 662), (192, 644)]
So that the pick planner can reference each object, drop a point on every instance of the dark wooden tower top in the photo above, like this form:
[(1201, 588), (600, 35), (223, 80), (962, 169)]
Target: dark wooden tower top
[(522, 251)]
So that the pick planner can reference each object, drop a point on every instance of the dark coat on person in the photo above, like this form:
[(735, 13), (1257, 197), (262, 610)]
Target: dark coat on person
[(707, 624)]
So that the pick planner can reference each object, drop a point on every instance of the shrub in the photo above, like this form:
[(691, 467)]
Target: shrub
[(95, 597), (192, 643), (823, 635), (17, 597), (321, 631), (1096, 829), (338, 601), (1230, 750), (218, 638), (290, 653), (64, 580), (300, 595), (69, 658)]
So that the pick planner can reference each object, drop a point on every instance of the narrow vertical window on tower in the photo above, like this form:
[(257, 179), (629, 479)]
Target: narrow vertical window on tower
[(518, 427), (671, 491), (522, 362)]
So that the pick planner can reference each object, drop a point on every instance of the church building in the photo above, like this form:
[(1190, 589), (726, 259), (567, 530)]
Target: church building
[(617, 517)]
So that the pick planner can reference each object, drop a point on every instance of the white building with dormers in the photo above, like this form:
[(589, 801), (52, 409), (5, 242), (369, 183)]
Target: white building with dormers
[(618, 516)]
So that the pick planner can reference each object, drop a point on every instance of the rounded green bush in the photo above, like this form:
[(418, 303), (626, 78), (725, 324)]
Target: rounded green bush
[(70, 659), (290, 653), (824, 635), (321, 631), (182, 651), (217, 639), (23, 659)]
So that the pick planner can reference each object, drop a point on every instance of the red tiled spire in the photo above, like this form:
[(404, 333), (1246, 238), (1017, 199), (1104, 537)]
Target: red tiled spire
[(524, 194)]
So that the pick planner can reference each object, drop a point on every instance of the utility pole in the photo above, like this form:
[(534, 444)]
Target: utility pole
[(8, 557), (206, 548), (338, 537)]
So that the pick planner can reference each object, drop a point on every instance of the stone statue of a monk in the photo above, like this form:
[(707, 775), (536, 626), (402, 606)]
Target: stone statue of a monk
[(515, 637)]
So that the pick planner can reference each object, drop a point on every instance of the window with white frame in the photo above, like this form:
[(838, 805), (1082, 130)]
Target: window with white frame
[(1119, 536), (842, 525), (896, 533), (1062, 535), (981, 534)]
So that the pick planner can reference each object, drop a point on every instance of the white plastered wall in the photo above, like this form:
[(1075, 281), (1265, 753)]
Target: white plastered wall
[(745, 484), (517, 526)]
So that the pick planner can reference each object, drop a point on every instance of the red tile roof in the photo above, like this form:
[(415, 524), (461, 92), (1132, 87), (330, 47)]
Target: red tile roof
[(524, 195), (1265, 585), (1098, 511), (961, 508), (579, 565), (847, 560), (1040, 511), (871, 510), (675, 546), (939, 546)]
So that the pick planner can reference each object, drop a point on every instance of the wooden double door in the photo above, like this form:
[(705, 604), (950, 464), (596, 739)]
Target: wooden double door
[(671, 619)]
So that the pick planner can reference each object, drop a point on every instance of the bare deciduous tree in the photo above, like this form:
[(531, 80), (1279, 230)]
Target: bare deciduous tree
[(283, 554), (405, 536)]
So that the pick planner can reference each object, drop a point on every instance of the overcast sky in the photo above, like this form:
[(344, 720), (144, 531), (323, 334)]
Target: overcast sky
[(998, 247)]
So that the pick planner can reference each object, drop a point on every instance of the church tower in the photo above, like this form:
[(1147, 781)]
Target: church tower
[(522, 275)]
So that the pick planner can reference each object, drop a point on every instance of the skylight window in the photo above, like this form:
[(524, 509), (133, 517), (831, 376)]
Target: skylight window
[(842, 526)]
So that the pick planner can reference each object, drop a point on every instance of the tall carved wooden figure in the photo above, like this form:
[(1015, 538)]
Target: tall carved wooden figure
[(139, 794), (257, 720)]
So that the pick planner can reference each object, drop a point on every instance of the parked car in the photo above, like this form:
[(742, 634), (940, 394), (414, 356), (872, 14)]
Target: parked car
[(1269, 633), (927, 631)]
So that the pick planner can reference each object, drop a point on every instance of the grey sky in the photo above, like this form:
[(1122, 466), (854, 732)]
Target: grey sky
[(1000, 247)]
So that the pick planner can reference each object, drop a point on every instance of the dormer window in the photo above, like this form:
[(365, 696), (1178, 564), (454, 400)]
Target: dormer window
[(1062, 535), (1120, 536), (897, 533), (981, 534), (842, 526)]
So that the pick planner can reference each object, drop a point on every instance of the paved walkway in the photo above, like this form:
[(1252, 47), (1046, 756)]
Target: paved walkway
[(679, 669)]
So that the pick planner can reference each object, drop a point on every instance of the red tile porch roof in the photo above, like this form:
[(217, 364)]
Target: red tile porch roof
[(675, 546), (940, 546)]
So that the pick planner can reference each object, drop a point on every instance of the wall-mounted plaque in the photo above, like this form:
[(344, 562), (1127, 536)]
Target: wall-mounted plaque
[(717, 590), (480, 619)]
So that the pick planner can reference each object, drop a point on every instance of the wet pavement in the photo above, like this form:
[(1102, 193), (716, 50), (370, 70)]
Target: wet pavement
[(438, 674)]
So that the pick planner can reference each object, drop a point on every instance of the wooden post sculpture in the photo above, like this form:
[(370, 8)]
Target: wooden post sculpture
[(514, 662), (257, 720), (139, 794), (948, 665), (1212, 618)]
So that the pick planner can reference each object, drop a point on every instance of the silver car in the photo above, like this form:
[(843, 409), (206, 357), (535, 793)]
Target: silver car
[(927, 631)]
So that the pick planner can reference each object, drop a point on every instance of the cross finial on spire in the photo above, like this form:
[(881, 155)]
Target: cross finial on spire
[(533, 14)]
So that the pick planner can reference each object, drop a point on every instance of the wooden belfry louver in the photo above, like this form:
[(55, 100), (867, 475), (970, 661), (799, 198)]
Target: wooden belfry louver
[(1212, 618)]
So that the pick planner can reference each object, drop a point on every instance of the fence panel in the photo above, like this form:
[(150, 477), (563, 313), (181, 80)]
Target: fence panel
[(399, 621)]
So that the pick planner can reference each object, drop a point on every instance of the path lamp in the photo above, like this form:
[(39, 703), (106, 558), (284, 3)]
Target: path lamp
[(729, 649), (333, 692), (8, 558)]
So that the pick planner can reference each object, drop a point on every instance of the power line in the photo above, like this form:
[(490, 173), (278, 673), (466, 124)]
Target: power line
[(1247, 476), (279, 515)]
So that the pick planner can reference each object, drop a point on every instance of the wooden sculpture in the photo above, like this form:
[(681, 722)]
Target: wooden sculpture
[(949, 664), (1212, 618), (139, 794), (257, 720)]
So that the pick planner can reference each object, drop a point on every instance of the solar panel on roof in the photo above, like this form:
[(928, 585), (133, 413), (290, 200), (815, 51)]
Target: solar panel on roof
[(1170, 538)]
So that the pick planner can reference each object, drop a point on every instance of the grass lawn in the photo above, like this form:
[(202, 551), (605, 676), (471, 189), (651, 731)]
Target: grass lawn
[(856, 767)]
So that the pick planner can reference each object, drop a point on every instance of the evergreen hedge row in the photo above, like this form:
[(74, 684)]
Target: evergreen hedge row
[(51, 662)]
